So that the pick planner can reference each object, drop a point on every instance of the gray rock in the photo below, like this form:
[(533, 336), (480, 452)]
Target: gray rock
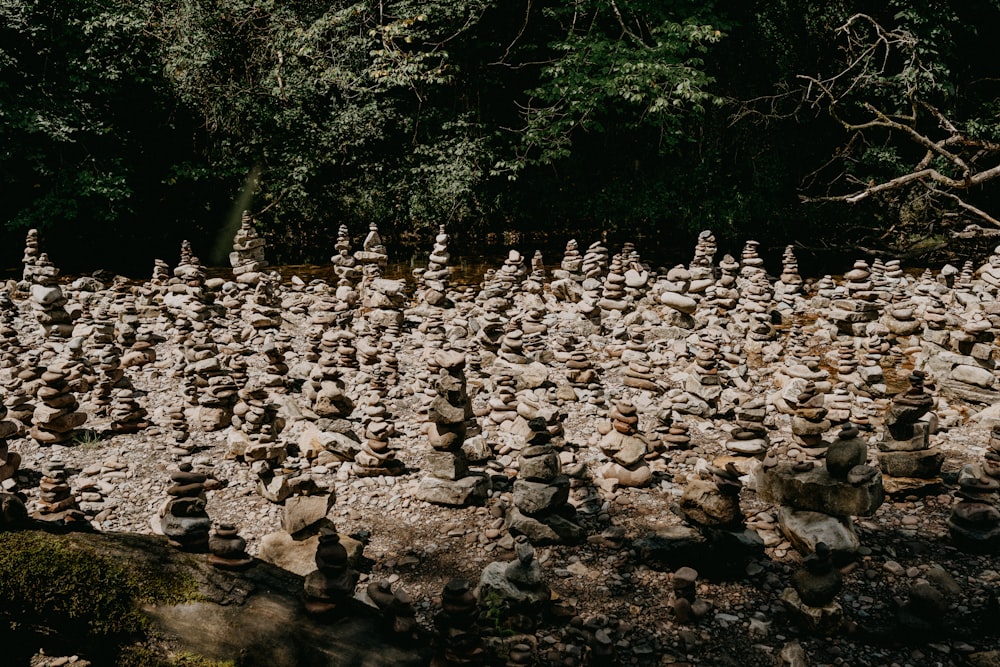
[(458, 493), (818, 491)]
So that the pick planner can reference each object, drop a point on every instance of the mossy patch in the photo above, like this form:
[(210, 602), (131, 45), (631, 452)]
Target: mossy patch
[(47, 582), (140, 655)]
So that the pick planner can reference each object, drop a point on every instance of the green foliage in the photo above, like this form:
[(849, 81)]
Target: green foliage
[(44, 580), (139, 123)]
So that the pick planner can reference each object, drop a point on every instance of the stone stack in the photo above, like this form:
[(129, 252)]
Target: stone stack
[(674, 295), (326, 388), (332, 583), (383, 302), (345, 267), (535, 283), (809, 422), (817, 503), (988, 272), (183, 518), (255, 430), (55, 417), (275, 377), (519, 590), (247, 257), (905, 454), (568, 278), (613, 302), (9, 461), (703, 381), (749, 435), (705, 248), (974, 523), (750, 260), (449, 482), (724, 295), (263, 308), (852, 314), (625, 446), (110, 375), (900, 317), (512, 348), (789, 287), (811, 597), (434, 280), (49, 304), (638, 370), (595, 264), (127, 416), (209, 386), (502, 405), (756, 301), (178, 430), (541, 492), (30, 259), (373, 252), (459, 640), (876, 346), (56, 502), (227, 550), (376, 457)]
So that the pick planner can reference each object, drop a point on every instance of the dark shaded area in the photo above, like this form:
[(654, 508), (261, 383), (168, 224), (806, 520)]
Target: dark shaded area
[(128, 127)]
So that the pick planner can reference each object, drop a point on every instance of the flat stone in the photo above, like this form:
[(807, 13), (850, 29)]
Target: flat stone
[(818, 491), (923, 464), (805, 529), (458, 493), (973, 375)]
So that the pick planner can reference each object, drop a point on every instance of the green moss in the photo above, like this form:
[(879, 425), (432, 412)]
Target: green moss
[(141, 655), (48, 582)]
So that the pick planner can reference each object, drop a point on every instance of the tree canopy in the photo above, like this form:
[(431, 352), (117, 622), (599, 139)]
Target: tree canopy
[(136, 124)]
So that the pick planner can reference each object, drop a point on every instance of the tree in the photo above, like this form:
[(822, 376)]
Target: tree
[(922, 134)]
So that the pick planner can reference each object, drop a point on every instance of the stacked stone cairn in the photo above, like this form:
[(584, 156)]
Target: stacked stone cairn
[(541, 491), (809, 421), (376, 457), (905, 454), (710, 503), (332, 583), (974, 523), (817, 502), (518, 588), (749, 436), (227, 550), (595, 263), (55, 418), (183, 518), (900, 318), (725, 293), (9, 461), (48, 301), (789, 287), (811, 597), (247, 257), (450, 482), (435, 278), (674, 295), (852, 314), (638, 370), (178, 430), (56, 502), (209, 385), (613, 302), (568, 278), (127, 415), (459, 640), (373, 252), (625, 446), (30, 259), (397, 609)]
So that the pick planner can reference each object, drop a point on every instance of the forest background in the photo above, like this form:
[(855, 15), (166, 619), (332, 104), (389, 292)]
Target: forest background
[(129, 125)]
